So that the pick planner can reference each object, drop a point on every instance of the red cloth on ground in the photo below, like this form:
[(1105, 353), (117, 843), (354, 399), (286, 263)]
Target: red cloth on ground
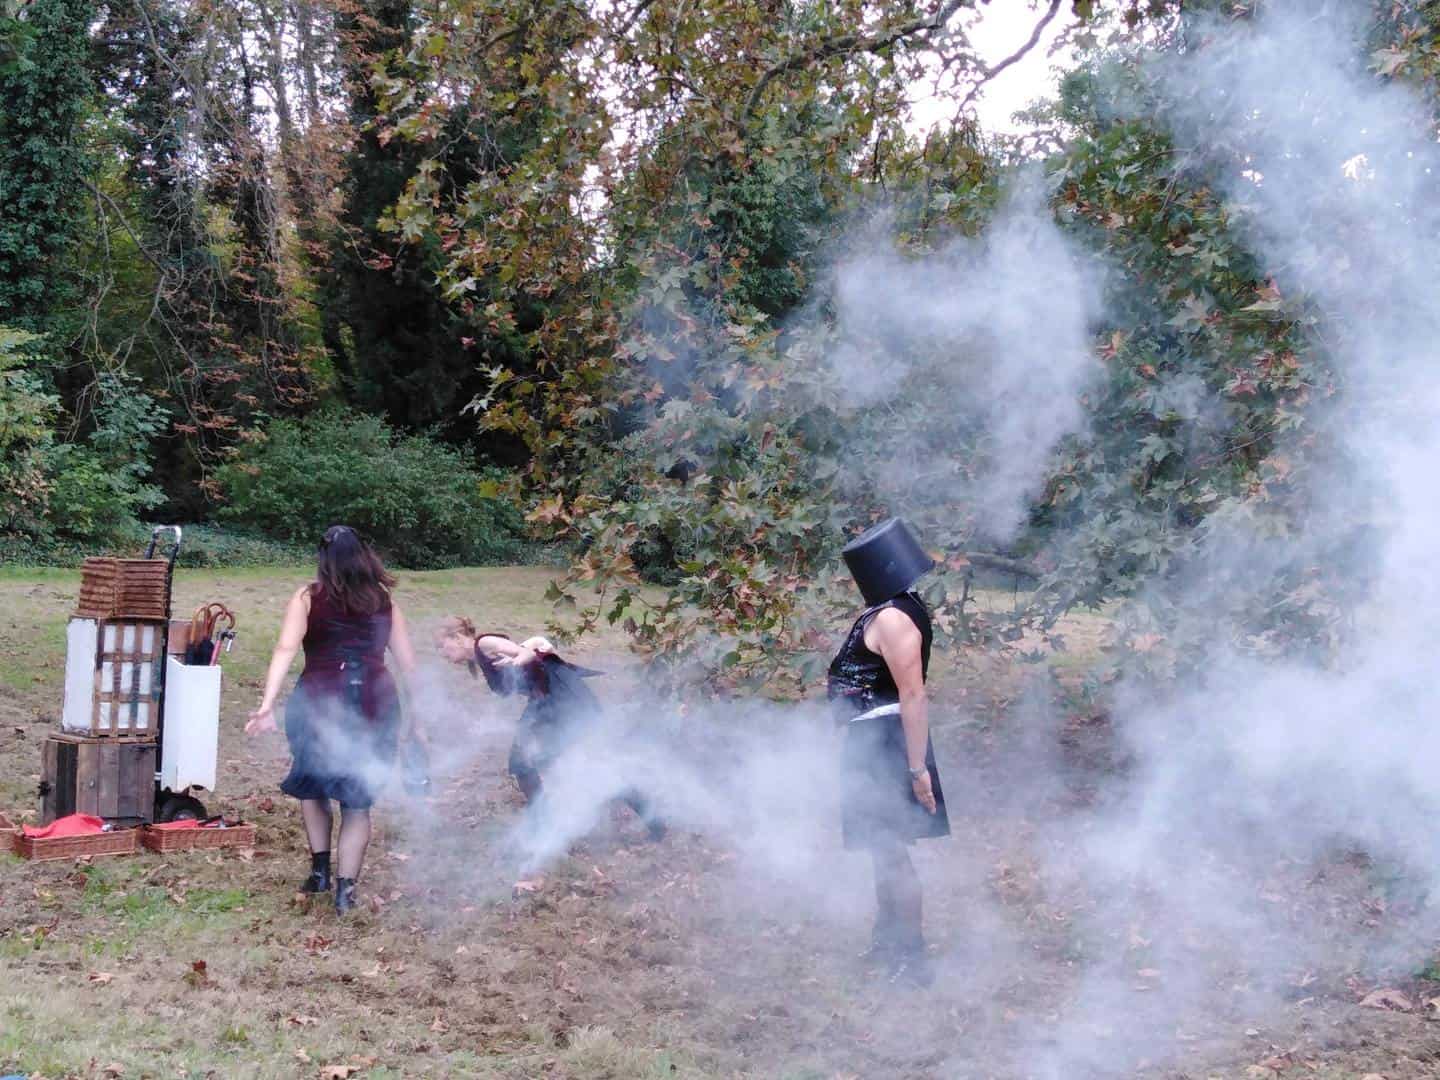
[(74, 825), (193, 823)]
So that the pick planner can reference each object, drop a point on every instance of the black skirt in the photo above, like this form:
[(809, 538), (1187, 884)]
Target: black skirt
[(337, 752), (878, 807)]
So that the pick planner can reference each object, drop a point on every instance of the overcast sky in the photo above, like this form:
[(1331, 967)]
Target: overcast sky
[(998, 30)]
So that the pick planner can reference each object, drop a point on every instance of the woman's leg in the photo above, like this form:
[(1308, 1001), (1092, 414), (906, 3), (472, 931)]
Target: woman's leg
[(315, 813), (884, 938), (898, 885), (354, 840)]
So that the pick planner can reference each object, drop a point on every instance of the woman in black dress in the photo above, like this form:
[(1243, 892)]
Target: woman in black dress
[(343, 718), (559, 706), (891, 793)]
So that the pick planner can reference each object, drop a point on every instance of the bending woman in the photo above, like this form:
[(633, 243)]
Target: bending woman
[(559, 707), (343, 719)]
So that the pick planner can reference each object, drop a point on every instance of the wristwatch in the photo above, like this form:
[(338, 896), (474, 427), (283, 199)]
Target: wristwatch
[(915, 774)]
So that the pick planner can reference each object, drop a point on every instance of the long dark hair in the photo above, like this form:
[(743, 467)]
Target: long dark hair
[(350, 574)]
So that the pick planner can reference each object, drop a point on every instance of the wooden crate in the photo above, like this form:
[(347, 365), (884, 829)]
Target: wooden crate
[(110, 778), (124, 589), (115, 842), (112, 678), (165, 841)]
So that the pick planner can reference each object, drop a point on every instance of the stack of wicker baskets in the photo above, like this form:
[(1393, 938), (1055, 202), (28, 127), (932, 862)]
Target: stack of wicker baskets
[(124, 589)]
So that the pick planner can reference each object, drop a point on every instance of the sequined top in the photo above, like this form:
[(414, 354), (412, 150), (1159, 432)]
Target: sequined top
[(860, 679)]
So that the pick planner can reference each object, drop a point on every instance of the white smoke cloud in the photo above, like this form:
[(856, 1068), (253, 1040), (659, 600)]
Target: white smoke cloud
[(999, 326), (1330, 175)]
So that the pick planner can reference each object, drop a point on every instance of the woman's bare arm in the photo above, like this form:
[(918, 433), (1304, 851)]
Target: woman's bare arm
[(895, 637), (400, 644), (292, 636)]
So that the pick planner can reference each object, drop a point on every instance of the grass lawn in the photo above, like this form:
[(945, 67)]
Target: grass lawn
[(693, 957)]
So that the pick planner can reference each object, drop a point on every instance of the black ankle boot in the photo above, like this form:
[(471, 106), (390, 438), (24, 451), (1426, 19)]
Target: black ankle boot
[(344, 894), (911, 967), (319, 879)]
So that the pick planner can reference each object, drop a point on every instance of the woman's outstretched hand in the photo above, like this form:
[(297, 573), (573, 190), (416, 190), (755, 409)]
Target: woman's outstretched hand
[(261, 720)]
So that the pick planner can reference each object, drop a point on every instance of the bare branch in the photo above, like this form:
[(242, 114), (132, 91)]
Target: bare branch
[(847, 44), (1015, 57)]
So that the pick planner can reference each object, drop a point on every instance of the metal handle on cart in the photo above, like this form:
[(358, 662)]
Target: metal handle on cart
[(155, 539), (159, 683)]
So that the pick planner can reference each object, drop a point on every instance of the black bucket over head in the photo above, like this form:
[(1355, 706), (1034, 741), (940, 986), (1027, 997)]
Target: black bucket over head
[(886, 560)]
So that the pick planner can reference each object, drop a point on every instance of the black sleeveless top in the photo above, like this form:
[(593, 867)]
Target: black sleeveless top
[(859, 679)]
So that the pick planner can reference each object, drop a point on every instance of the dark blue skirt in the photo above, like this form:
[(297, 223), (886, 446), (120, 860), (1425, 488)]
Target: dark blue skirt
[(878, 807), (338, 753)]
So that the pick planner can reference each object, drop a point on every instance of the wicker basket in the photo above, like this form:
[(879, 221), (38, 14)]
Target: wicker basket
[(124, 589), (43, 849), (166, 841)]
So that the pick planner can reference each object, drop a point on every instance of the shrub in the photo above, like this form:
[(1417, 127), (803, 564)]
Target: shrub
[(415, 499), (27, 416)]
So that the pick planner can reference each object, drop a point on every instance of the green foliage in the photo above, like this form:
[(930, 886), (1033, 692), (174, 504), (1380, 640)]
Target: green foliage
[(91, 491), (205, 546), (44, 87), (27, 418), (417, 500)]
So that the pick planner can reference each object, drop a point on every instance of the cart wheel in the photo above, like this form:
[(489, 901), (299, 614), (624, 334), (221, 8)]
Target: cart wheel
[(180, 808)]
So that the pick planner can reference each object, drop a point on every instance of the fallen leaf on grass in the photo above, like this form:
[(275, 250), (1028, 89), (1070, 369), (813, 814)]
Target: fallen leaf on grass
[(101, 978), (317, 944), (1387, 999), (302, 1021), (373, 973), (439, 1026), (113, 1071)]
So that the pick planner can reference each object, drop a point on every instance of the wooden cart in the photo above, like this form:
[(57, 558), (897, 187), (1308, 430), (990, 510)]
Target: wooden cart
[(140, 726)]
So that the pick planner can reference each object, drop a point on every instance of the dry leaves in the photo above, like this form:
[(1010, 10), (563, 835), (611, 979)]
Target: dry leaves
[(101, 978), (1387, 999), (302, 1021)]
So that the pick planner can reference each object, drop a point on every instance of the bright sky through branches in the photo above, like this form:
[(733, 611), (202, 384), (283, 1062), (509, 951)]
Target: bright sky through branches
[(998, 30)]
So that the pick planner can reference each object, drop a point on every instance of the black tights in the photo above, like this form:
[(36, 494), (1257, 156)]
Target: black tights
[(899, 906), (354, 833)]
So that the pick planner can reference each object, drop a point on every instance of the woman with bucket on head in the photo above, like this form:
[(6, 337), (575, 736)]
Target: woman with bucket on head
[(343, 719), (559, 707), (890, 793)]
